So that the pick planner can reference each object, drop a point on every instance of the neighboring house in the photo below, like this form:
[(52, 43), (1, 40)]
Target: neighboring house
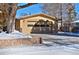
[(75, 26), (39, 23), (76, 23)]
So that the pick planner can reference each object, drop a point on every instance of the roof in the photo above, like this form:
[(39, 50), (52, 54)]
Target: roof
[(43, 15), (77, 21)]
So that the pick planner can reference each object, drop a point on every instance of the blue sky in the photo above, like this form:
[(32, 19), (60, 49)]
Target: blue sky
[(77, 10), (77, 7), (35, 9)]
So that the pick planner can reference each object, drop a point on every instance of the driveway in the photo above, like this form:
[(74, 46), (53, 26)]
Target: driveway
[(52, 45)]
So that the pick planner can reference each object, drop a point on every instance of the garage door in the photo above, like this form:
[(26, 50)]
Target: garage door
[(43, 27)]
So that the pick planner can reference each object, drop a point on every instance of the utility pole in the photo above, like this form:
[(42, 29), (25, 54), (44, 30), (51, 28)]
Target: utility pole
[(61, 14)]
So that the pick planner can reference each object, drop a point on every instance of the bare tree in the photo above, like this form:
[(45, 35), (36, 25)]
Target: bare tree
[(9, 13), (56, 9), (71, 12), (71, 15), (63, 11), (51, 8)]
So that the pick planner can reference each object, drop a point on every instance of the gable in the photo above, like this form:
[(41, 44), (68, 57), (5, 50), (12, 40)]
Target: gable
[(40, 16)]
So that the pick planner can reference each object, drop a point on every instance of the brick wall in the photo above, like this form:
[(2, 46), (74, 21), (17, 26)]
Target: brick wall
[(18, 42)]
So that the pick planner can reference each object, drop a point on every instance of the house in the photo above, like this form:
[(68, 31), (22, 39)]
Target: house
[(38, 23), (75, 26)]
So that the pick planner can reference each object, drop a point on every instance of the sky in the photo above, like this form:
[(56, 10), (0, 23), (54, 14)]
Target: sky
[(77, 7), (36, 9)]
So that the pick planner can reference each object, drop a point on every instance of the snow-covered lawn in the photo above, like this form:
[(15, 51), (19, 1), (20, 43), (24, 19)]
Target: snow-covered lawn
[(14, 35)]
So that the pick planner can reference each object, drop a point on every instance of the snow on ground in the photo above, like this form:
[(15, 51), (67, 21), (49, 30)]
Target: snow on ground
[(77, 21), (61, 37), (49, 47), (14, 35), (69, 33), (41, 50)]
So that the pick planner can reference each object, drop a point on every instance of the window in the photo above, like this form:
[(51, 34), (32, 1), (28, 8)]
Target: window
[(31, 21), (30, 25)]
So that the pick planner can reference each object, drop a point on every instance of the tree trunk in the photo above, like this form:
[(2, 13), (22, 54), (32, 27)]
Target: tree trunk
[(11, 17)]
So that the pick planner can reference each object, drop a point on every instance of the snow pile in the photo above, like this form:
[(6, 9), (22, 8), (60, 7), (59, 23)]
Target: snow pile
[(14, 35), (69, 33), (76, 46), (77, 21)]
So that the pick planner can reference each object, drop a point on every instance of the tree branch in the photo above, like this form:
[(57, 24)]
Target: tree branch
[(26, 5)]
